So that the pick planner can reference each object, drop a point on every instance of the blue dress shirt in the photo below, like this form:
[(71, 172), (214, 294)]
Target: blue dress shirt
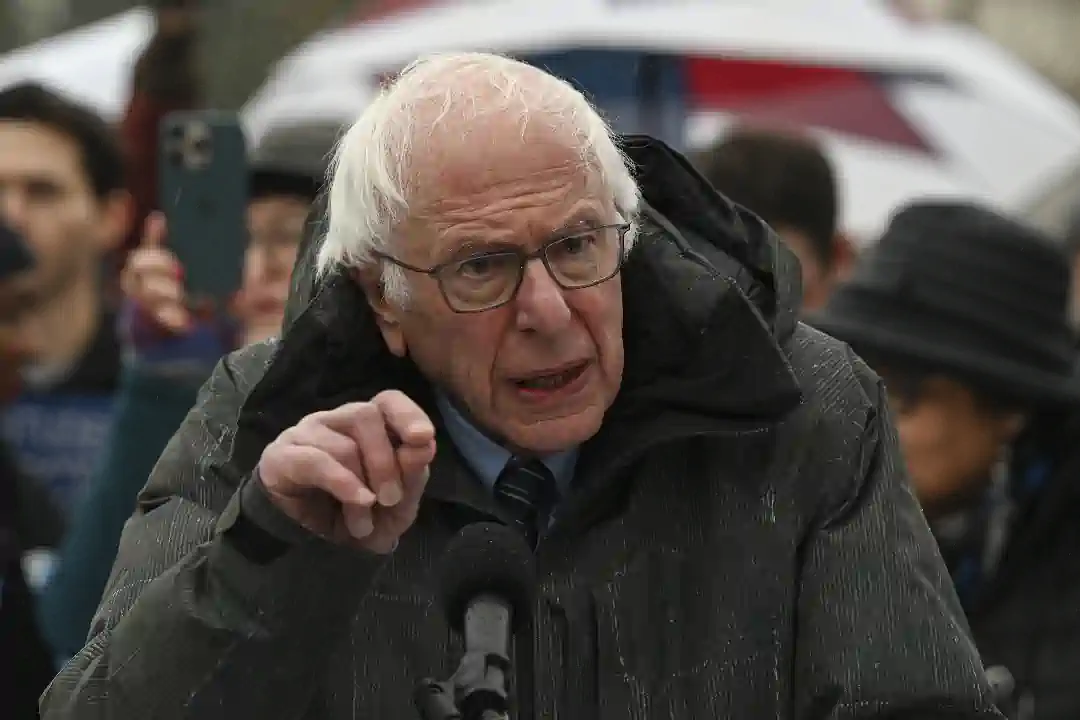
[(487, 458)]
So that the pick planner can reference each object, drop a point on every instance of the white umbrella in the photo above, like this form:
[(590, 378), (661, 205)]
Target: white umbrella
[(991, 129), (92, 65), (775, 30)]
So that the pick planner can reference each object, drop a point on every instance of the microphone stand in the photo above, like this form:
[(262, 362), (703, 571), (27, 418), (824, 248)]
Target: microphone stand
[(476, 691)]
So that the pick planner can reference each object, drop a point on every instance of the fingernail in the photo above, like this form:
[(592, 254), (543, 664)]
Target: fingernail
[(418, 428), (363, 496), (362, 527), (390, 494)]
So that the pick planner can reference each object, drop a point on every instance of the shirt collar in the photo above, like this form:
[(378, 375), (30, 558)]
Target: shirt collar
[(487, 458)]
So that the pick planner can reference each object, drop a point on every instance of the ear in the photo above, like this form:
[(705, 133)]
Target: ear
[(844, 256), (387, 315), (1010, 426), (116, 219)]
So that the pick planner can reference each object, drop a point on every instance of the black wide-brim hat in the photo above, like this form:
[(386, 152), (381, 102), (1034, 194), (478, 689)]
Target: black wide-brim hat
[(958, 290)]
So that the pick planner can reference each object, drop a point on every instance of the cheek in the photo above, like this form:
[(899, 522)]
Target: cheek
[(61, 227), (811, 272), (44, 234), (933, 450), (922, 437), (944, 454), (285, 258), (458, 351), (602, 313)]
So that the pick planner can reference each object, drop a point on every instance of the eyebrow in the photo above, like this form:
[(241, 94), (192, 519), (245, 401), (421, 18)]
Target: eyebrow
[(584, 218), (580, 220)]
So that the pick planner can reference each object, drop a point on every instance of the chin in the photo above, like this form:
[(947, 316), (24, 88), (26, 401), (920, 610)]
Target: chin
[(547, 437)]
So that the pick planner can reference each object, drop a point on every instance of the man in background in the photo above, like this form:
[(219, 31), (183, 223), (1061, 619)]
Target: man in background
[(288, 168), (787, 180), (62, 189), (26, 516)]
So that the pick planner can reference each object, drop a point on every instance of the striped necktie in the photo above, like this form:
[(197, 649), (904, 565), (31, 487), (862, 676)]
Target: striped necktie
[(526, 491)]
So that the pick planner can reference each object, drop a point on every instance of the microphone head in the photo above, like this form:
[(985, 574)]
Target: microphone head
[(487, 559)]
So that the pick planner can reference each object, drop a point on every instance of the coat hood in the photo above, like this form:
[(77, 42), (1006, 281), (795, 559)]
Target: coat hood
[(674, 192), (710, 301)]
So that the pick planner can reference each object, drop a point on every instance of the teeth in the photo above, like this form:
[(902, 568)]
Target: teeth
[(548, 383)]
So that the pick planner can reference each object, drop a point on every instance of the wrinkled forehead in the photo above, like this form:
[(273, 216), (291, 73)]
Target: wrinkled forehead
[(505, 177), (472, 158), (34, 151)]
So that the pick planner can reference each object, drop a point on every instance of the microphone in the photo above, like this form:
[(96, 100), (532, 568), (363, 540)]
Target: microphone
[(487, 582)]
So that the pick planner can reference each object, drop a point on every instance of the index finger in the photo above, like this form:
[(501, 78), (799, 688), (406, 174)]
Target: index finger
[(405, 419)]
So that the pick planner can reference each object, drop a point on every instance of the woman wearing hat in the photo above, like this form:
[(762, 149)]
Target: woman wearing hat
[(965, 315)]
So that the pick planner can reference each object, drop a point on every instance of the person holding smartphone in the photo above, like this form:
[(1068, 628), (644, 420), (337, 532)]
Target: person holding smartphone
[(170, 351)]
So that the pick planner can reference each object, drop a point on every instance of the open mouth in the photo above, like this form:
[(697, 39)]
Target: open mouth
[(553, 381)]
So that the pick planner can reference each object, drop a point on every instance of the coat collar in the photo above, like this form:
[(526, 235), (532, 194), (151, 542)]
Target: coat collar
[(700, 321)]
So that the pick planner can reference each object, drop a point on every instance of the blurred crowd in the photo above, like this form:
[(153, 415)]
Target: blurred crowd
[(968, 315)]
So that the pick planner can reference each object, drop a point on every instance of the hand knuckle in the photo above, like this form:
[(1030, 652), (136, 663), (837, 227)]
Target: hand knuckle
[(311, 420), (392, 397), (367, 412), (288, 436)]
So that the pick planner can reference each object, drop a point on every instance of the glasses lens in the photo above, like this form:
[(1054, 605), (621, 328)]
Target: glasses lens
[(481, 281), (586, 259)]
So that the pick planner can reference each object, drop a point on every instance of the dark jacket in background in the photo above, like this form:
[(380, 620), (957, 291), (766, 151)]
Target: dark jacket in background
[(56, 429), (148, 410), (25, 520), (1026, 615), (741, 541)]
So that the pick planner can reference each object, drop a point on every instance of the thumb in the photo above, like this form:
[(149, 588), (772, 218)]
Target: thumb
[(154, 231)]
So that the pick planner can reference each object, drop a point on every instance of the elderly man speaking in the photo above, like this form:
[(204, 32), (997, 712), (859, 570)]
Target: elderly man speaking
[(722, 527)]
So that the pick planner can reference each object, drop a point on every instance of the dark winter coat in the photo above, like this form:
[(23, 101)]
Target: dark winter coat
[(741, 541)]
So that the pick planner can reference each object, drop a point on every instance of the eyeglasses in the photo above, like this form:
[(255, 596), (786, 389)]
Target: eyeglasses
[(487, 280)]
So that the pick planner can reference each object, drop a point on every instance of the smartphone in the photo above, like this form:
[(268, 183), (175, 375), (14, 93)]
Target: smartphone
[(203, 192)]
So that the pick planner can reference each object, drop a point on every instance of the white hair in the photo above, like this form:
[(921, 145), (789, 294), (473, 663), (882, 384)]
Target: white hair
[(370, 183)]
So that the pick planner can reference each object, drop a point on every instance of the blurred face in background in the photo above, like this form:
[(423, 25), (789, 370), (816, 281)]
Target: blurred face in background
[(46, 194), (950, 438), (820, 275), (19, 342), (276, 223)]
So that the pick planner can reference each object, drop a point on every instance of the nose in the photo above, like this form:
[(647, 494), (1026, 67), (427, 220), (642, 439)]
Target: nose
[(254, 263), (541, 303), (270, 263), (13, 208)]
